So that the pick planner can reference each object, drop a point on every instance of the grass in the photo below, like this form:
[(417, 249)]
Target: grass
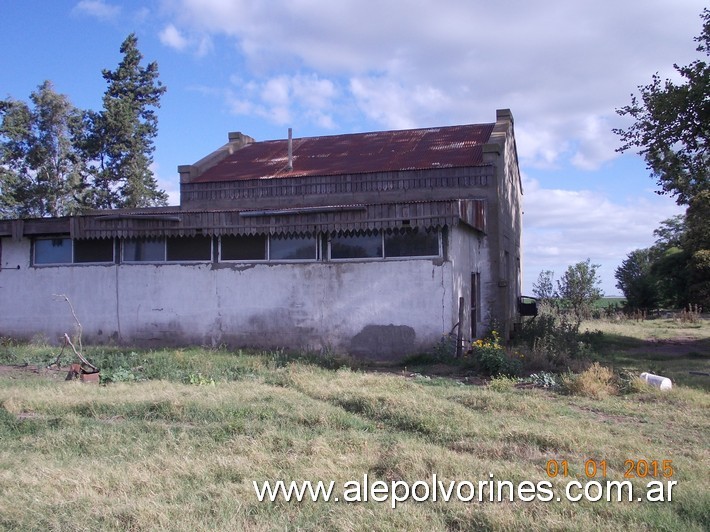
[(662, 346), (175, 452)]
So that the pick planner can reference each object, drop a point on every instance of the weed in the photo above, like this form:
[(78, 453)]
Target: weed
[(544, 379), (628, 382), (502, 383), (120, 375), (198, 379), (596, 381), (691, 314)]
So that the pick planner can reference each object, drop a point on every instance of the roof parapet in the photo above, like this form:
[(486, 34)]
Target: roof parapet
[(236, 141), (504, 115)]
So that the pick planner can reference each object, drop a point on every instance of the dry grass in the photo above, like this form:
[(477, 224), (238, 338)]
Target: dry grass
[(596, 381), (167, 455), (161, 455)]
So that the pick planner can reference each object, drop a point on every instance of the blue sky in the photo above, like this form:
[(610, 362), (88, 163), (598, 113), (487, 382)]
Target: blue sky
[(328, 67)]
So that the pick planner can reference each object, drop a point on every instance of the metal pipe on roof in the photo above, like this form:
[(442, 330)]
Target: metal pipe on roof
[(290, 149)]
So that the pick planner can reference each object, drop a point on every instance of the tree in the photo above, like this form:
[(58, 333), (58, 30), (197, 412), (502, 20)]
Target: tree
[(697, 243), (636, 280), (578, 289), (671, 130), (40, 171), (119, 139), (671, 126), (544, 289)]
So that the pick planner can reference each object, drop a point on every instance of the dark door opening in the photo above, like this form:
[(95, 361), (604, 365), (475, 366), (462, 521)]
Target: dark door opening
[(475, 280)]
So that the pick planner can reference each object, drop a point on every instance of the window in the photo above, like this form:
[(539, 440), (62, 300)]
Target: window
[(176, 249), (64, 250), (295, 248), (412, 243), (356, 246), (93, 250), (243, 247), (197, 248), (144, 250), (53, 251)]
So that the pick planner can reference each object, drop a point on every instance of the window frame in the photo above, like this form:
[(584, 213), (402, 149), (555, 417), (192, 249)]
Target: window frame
[(439, 253), (189, 261), (140, 238), (38, 263), (256, 261), (72, 252), (382, 234), (316, 255)]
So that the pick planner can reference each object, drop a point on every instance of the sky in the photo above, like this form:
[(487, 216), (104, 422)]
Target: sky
[(326, 67)]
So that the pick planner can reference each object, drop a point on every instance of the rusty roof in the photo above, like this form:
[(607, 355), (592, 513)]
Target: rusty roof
[(384, 151)]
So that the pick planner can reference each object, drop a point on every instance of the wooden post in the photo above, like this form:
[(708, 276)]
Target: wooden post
[(459, 334)]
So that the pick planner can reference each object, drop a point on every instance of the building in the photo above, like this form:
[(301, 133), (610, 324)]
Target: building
[(374, 244)]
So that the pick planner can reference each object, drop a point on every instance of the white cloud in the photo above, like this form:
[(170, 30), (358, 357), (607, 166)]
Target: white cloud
[(98, 9), (562, 69), (285, 100), (563, 227), (171, 36)]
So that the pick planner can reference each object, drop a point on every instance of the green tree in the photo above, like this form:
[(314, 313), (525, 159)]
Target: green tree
[(120, 138), (671, 130), (578, 289), (543, 289), (636, 280), (671, 126), (40, 171), (697, 244)]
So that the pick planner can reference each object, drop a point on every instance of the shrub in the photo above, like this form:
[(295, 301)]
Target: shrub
[(554, 341), (502, 383), (492, 357), (596, 381), (629, 381)]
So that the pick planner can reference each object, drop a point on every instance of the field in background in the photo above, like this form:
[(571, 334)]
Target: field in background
[(177, 439)]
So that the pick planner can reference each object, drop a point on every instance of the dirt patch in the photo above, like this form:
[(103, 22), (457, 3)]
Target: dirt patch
[(29, 370), (679, 346)]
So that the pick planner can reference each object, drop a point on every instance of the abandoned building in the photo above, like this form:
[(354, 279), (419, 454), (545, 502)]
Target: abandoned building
[(373, 244)]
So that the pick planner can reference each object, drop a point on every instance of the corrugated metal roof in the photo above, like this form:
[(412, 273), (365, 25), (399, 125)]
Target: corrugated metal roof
[(385, 151)]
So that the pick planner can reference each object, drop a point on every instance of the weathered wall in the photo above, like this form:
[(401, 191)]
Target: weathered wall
[(379, 309), (469, 253), (504, 224)]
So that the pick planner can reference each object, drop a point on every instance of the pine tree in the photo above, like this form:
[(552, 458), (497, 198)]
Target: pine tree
[(119, 139)]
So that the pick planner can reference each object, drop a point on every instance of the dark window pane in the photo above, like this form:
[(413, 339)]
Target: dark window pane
[(243, 247), (297, 248), (144, 250), (93, 250), (413, 243), (356, 246), (189, 248), (53, 251)]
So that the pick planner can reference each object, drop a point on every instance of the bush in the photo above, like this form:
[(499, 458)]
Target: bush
[(493, 358), (553, 341), (502, 383), (596, 381)]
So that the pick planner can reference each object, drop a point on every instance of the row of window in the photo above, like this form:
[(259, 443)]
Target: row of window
[(377, 245)]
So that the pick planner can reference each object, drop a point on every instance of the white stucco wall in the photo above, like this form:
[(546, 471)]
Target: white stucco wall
[(378, 308)]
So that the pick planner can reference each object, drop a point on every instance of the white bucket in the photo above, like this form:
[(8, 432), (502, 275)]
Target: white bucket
[(664, 383)]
